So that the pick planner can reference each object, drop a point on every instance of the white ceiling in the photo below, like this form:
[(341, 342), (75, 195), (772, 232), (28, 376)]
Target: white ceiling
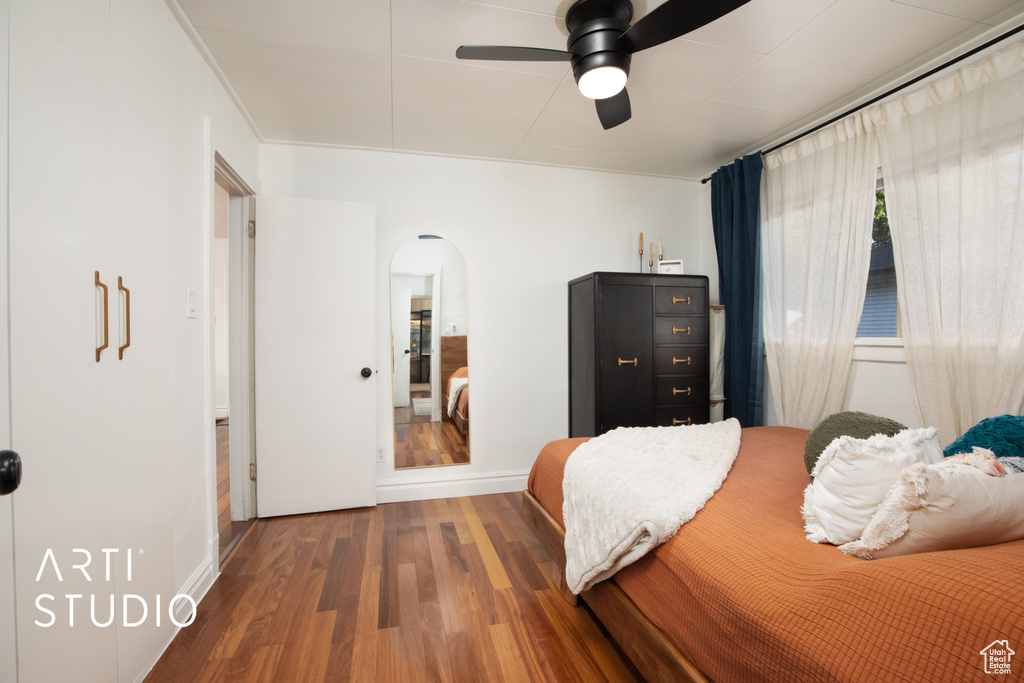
[(383, 75)]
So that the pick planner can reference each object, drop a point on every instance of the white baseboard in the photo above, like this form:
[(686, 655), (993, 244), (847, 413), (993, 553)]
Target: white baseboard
[(196, 587), (220, 412), (400, 490)]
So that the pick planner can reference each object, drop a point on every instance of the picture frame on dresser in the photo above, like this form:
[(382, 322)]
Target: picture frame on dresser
[(670, 267)]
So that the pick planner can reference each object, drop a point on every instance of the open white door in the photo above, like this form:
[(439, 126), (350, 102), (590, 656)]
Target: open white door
[(8, 628), (315, 333), (401, 332)]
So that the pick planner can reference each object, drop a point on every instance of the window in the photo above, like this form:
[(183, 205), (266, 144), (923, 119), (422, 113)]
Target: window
[(880, 316)]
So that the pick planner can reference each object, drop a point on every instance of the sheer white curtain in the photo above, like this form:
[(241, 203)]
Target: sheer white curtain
[(953, 166), (818, 202)]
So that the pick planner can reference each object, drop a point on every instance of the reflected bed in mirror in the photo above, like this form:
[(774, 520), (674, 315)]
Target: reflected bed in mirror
[(429, 349)]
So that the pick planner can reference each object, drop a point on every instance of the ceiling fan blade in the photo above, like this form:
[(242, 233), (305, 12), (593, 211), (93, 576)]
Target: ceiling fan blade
[(614, 110), (673, 19), (512, 53)]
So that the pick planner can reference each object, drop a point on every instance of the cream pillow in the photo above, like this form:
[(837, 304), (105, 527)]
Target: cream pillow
[(853, 476), (957, 503)]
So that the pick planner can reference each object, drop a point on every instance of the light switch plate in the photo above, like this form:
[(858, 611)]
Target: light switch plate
[(190, 302)]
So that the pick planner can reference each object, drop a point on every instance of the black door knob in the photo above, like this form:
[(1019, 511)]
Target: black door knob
[(366, 372), (10, 472)]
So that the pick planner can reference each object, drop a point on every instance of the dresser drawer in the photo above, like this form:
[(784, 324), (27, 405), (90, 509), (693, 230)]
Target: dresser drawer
[(677, 330), (682, 415), (680, 300), (674, 360), (681, 390)]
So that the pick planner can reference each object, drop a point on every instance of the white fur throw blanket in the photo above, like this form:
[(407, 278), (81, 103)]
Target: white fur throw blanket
[(455, 388), (630, 489)]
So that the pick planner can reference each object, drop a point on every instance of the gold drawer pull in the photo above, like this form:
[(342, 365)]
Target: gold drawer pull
[(681, 301), (105, 317), (677, 330), (627, 362), (127, 318), (681, 391), (687, 421), (677, 361)]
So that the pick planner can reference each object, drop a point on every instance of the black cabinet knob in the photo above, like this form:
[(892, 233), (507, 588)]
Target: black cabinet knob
[(10, 472), (366, 372)]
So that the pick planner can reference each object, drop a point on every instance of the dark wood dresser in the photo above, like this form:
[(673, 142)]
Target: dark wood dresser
[(638, 351)]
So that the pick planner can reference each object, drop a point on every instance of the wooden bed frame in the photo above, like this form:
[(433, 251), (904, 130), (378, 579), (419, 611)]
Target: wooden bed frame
[(646, 645), (453, 356)]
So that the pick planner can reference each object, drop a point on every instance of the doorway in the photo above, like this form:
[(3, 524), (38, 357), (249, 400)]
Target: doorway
[(232, 370)]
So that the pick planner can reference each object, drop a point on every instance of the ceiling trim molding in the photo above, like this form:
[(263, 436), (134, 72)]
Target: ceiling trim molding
[(197, 41), (467, 157)]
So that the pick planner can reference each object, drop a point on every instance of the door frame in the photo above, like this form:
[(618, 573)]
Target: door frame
[(241, 404), (433, 271)]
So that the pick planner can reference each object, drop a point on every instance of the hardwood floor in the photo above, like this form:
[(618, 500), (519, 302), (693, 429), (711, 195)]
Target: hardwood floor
[(228, 530), (440, 590), (424, 444)]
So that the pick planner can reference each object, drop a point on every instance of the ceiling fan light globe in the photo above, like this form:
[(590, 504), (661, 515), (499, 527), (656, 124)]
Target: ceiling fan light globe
[(602, 82)]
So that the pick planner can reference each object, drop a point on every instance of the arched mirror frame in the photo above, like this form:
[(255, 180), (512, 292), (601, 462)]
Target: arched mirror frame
[(444, 440)]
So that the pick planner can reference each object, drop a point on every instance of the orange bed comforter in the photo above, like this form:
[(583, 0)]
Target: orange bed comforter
[(746, 597)]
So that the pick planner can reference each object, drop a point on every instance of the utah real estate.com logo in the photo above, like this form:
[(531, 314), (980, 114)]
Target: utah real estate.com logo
[(997, 657), (135, 609)]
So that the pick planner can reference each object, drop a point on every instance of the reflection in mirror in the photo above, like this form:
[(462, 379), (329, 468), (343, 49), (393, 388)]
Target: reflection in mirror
[(430, 374)]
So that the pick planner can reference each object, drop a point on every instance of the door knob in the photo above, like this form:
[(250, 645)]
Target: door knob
[(366, 372), (10, 472)]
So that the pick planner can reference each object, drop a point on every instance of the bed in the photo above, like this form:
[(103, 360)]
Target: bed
[(454, 363), (456, 399), (739, 593)]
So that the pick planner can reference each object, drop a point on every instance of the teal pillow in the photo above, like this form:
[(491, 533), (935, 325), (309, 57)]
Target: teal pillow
[(849, 423), (1003, 435)]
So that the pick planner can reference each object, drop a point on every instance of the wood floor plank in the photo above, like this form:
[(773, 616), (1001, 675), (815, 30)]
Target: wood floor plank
[(451, 615), (448, 590), (364, 649), (331, 593), (495, 570), (513, 666)]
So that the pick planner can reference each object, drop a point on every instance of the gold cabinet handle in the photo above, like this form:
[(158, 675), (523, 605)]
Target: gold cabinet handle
[(105, 339), (687, 421), (681, 391), (677, 330), (677, 361), (681, 301), (127, 319), (627, 362)]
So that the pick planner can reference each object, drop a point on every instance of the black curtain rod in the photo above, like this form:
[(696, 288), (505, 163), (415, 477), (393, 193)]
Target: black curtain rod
[(893, 91)]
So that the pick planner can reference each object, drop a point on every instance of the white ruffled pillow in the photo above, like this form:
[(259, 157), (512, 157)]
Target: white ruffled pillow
[(964, 501), (853, 476)]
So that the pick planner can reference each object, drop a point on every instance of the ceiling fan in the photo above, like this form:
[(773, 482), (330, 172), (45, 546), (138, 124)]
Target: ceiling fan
[(601, 42)]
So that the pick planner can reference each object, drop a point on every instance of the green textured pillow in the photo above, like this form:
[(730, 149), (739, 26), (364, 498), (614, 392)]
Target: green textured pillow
[(849, 423)]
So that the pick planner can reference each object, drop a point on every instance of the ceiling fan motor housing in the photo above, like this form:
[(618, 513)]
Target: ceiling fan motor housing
[(595, 27)]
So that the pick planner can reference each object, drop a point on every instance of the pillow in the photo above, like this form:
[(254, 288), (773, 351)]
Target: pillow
[(1003, 435), (849, 423), (945, 506), (853, 476)]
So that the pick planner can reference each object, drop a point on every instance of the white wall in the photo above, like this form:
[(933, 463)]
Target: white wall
[(205, 121), (220, 302), (525, 231), (415, 256)]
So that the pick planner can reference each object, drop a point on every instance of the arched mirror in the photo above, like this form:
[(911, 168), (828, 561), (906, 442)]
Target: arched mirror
[(429, 342)]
